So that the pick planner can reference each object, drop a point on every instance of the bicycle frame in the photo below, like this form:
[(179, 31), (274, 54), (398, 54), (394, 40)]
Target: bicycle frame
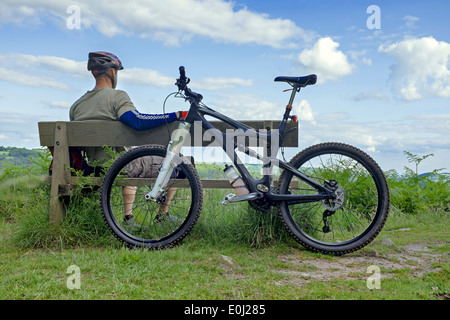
[(259, 188)]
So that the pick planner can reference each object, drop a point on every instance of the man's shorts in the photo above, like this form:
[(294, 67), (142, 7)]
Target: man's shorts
[(149, 167)]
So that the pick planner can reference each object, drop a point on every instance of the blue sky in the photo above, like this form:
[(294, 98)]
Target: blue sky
[(385, 90)]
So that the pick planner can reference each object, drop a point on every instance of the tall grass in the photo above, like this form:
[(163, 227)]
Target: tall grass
[(237, 222), (24, 200)]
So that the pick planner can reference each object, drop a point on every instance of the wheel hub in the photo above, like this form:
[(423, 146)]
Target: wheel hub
[(336, 203)]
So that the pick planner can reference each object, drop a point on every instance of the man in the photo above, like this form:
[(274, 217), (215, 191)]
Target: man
[(104, 102)]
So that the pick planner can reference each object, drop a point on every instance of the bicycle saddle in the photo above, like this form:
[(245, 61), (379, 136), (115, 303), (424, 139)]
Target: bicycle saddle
[(299, 81)]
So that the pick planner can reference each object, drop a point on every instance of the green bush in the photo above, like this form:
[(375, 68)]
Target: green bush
[(413, 193), (419, 194)]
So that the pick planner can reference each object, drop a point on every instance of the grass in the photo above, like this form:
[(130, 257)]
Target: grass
[(234, 253), (197, 269)]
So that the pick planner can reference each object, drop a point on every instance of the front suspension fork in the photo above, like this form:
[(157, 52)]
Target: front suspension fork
[(171, 160)]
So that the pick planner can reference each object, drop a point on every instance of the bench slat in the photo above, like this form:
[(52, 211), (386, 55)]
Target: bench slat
[(95, 181), (116, 134)]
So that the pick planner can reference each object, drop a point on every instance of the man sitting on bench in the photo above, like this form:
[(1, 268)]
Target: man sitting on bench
[(104, 102)]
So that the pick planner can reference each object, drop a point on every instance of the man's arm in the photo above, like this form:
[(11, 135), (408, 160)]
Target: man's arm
[(141, 121)]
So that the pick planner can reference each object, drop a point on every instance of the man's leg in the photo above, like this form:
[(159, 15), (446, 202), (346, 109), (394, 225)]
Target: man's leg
[(164, 208), (128, 196)]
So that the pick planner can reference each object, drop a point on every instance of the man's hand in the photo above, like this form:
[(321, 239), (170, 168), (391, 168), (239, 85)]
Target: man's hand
[(181, 115)]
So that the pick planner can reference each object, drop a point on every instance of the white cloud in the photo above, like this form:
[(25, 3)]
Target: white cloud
[(27, 136), (220, 83), (325, 60), (44, 63), (410, 21), (369, 95), (16, 14), (143, 76), (305, 112), (250, 106), (26, 79), (169, 21), (421, 69), (421, 133), (247, 106), (64, 105), (42, 72), (341, 127), (154, 78)]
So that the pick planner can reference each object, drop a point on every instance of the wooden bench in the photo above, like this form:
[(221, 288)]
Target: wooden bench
[(64, 134)]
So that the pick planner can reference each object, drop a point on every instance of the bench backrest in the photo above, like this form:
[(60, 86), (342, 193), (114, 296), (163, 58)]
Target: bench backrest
[(116, 134)]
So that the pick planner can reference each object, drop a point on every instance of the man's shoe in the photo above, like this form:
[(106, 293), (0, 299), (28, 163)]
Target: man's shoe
[(167, 217), (129, 221)]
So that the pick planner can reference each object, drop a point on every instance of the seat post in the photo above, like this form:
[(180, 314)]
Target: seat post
[(293, 93), (291, 101)]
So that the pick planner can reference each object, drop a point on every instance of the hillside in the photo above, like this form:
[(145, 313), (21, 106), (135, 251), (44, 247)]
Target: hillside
[(434, 177), (17, 156)]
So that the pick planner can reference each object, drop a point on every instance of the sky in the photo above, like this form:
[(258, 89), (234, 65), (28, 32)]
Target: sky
[(383, 67)]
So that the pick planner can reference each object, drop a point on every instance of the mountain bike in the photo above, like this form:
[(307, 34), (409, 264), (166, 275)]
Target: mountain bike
[(332, 197)]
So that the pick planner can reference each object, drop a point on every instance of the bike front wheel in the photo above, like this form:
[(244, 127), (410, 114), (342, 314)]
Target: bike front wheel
[(358, 212), (140, 222)]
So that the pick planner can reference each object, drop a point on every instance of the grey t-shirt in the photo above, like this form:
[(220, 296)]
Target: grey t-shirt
[(102, 104)]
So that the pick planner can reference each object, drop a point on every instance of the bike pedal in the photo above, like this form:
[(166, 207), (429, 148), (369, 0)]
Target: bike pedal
[(227, 199)]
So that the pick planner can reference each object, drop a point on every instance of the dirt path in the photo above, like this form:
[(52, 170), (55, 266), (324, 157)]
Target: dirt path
[(416, 257)]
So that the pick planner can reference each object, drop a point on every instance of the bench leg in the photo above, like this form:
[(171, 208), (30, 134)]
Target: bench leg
[(60, 173), (57, 209)]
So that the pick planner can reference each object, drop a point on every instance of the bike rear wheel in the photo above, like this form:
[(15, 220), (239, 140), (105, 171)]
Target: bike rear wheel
[(354, 218), (155, 225)]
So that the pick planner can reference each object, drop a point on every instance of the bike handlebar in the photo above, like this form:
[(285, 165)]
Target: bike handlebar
[(182, 72), (182, 86)]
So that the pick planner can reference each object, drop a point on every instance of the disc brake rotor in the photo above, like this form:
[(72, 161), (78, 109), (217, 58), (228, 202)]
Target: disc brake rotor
[(338, 202)]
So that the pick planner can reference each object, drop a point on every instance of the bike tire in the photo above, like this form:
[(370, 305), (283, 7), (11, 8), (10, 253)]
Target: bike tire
[(137, 169), (351, 221)]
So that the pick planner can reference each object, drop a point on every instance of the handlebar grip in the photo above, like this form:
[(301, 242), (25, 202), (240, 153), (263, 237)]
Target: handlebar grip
[(182, 73)]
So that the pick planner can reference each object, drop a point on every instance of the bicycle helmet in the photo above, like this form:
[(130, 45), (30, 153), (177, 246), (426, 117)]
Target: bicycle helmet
[(100, 61)]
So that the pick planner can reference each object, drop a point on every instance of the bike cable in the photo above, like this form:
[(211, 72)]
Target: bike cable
[(164, 112), (282, 147)]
